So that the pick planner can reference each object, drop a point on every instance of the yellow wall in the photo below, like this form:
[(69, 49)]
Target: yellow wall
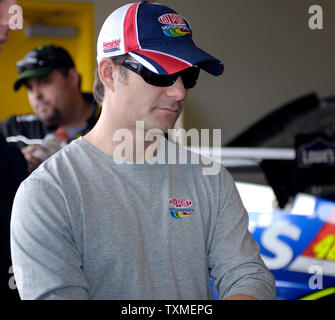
[(81, 48)]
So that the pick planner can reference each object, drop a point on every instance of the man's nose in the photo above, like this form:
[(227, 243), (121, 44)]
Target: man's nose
[(177, 90)]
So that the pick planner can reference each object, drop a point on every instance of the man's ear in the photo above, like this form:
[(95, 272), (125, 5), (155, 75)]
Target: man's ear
[(107, 73), (74, 77)]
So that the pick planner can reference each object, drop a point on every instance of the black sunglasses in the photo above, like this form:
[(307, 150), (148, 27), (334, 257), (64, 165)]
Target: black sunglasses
[(189, 76)]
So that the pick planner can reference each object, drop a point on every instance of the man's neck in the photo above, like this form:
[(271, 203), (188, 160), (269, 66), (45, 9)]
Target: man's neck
[(128, 145)]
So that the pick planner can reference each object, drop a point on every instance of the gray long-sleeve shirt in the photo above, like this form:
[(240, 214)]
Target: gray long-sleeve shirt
[(86, 227)]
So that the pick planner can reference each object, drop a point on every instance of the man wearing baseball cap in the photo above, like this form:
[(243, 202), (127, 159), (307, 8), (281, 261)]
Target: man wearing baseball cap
[(53, 87), (105, 224)]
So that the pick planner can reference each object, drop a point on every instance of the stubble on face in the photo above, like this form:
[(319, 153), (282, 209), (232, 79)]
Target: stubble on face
[(52, 118)]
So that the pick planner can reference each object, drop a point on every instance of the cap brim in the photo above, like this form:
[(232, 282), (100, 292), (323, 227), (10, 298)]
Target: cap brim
[(166, 63), (35, 73)]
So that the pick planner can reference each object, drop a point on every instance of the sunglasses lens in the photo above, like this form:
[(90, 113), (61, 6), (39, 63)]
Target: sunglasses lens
[(190, 77), (159, 80)]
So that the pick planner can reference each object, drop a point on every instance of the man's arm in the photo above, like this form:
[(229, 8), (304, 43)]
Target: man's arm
[(234, 259), (47, 263), (29, 154)]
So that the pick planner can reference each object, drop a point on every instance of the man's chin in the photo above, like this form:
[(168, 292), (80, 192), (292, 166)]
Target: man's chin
[(53, 119), (163, 128)]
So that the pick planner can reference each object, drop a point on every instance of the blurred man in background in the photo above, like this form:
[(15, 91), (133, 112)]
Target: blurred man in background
[(53, 86)]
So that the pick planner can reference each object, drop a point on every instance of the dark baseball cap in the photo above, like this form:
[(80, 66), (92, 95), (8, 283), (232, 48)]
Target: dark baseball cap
[(40, 62)]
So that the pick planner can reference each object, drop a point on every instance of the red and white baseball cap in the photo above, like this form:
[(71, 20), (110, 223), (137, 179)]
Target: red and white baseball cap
[(156, 36)]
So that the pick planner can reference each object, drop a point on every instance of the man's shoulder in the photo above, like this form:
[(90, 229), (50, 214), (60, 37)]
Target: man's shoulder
[(73, 151), (70, 155), (60, 167), (20, 123)]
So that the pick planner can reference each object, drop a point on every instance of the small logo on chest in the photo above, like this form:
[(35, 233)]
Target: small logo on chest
[(180, 208)]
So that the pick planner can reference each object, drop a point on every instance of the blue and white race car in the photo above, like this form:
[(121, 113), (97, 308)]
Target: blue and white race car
[(297, 243), (284, 168)]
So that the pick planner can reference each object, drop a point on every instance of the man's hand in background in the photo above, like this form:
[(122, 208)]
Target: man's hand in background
[(33, 155)]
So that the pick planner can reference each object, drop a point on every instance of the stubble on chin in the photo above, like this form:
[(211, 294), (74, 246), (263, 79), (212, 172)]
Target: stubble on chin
[(54, 119)]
